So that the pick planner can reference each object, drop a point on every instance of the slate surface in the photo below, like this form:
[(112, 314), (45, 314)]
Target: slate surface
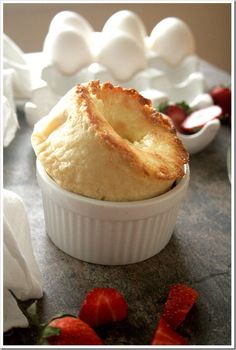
[(199, 254)]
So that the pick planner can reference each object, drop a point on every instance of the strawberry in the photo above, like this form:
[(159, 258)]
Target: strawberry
[(177, 112), (103, 305), (180, 300), (165, 335), (196, 120), (68, 330), (222, 97), (177, 115)]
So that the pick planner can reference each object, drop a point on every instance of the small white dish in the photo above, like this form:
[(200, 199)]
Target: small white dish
[(109, 233), (197, 142)]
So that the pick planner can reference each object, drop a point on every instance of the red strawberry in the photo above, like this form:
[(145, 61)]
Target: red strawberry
[(196, 120), (180, 300), (69, 330), (103, 305), (165, 335), (177, 115), (222, 97)]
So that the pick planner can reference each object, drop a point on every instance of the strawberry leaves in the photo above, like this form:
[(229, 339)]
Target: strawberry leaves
[(69, 330), (187, 109), (48, 332)]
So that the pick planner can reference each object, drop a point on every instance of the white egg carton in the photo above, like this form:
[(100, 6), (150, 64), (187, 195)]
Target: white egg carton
[(162, 67)]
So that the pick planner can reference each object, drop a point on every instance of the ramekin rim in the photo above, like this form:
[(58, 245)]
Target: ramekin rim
[(124, 204)]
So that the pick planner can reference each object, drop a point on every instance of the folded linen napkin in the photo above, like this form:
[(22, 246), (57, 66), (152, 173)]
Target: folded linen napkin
[(13, 58), (17, 86), (10, 121), (21, 274)]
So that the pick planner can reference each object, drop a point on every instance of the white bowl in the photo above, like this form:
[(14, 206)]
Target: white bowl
[(197, 142), (109, 233)]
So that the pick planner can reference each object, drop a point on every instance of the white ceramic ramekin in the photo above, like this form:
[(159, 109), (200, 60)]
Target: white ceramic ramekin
[(109, 233)]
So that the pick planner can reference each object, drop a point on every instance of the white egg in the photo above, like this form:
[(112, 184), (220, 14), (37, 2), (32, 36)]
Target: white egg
[(122, 55), (68, 49), (128, 22), (172, 39), (72, 19)]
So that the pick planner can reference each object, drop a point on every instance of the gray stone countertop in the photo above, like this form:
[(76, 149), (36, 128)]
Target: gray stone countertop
[(198, 254)]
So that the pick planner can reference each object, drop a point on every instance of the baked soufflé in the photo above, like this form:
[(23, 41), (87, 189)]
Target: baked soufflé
[(109, 143)]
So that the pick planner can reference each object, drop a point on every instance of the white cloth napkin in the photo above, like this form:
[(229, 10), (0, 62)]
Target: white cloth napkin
[(10, 121), (13, 58), (16, 86), (21, 274)]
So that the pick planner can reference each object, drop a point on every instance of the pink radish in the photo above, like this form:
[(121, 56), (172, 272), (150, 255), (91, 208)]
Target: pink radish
[(198, 119)]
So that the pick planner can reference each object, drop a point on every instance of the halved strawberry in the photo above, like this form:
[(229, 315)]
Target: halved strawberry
[(103, 305), (69, 330), (196, 120), (180, 300), (165, 335)]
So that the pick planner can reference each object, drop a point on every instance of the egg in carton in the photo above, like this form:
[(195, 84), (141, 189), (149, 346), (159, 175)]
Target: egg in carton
[(162, 66)]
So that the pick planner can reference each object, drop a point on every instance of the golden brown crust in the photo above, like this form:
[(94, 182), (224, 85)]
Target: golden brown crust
[(155, 119)]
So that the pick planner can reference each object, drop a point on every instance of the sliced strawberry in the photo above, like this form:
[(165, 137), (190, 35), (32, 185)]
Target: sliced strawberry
[(165, 335), (222, 97), (69, 331), (180, 300), (199, 118), (103, 305)]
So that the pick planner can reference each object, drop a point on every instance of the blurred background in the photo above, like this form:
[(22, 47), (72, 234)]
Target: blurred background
[(27, 24)]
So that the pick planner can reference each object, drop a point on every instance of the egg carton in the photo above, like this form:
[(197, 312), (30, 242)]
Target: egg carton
[(162, 66)]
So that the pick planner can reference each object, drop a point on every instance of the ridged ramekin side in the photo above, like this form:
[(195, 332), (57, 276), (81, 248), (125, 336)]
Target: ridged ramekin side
[(104, 241)]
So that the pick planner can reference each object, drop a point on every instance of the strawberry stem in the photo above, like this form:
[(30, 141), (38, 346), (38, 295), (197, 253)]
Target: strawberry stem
[(48, 331), (162, 107), (184, 106)]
